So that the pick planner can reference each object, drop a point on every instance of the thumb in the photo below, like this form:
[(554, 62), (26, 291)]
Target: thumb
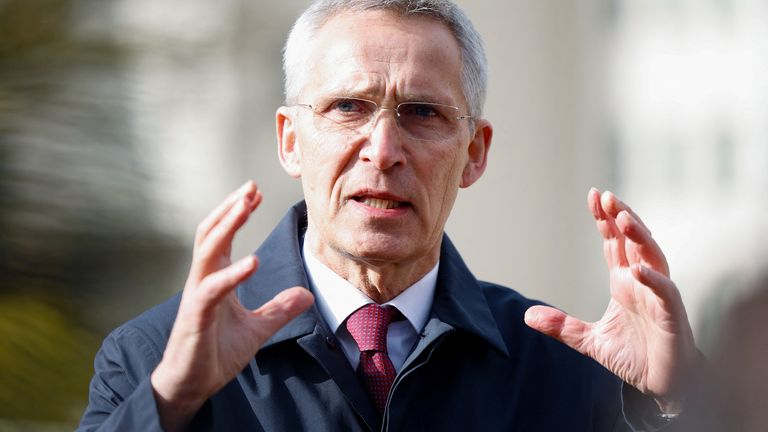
[(276, 313), (560, 326)]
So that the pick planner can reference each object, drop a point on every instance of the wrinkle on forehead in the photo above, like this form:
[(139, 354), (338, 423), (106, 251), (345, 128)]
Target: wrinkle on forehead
[(411, 58), (384, 53)]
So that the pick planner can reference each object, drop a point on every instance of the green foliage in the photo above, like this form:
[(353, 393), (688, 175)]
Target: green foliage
[(46, 361)]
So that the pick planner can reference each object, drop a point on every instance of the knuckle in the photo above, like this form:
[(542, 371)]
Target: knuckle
[(207, 289), (215, 235), (202, 252)]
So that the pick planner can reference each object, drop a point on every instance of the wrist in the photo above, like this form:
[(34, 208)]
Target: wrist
[(175, 407)]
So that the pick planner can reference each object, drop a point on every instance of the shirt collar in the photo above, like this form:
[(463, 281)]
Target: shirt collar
[(459, 299), (336, 298)]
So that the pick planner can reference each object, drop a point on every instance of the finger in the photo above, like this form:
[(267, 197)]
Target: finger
[(613, 206), (560, 326), (213, 253), (247, 190), (614, 250), (604, 221), (217, 285), (593, 202), (661, 285), (219, 240), (276, 313), (641, 246)]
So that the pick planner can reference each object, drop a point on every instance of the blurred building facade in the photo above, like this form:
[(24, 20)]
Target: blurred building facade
[(689, 122)]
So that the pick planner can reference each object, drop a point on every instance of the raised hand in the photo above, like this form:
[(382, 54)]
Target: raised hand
[(644, 336), (214, 336)]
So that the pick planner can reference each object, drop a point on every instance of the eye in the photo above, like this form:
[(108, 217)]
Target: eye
[(349, 106), (419, 110)]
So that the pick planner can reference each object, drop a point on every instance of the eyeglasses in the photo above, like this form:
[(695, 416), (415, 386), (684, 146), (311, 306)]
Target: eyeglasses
[(423, 121)]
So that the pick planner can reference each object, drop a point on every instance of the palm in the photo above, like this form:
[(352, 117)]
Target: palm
[(235, 336), (214, 336), (227, 340), (644, 336)]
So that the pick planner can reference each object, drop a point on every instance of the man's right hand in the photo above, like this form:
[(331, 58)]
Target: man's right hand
[(214, 336)]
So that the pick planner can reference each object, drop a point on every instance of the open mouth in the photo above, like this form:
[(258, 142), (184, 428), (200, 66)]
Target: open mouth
[(379, 203)]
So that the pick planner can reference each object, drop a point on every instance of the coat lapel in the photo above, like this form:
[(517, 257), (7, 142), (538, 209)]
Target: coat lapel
[(323, 347), (460, 302)]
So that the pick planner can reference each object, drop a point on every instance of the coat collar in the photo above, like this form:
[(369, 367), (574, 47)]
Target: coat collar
[(281, 267), (459, 299)]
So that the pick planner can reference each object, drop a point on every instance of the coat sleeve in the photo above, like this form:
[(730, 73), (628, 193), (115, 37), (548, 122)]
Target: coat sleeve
[(120, 393), (641, 412)]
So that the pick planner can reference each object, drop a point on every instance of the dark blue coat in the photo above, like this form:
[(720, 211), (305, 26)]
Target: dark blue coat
[(476, 367)]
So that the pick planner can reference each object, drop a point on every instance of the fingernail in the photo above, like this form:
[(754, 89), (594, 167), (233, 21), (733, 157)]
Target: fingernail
[(530, 317), (247, 262), (248, 187)]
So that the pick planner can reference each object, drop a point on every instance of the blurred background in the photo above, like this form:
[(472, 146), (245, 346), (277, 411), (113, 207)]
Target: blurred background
[(123, 122)]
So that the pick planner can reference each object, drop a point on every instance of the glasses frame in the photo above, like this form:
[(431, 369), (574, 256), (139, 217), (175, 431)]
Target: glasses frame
[(379, 109)]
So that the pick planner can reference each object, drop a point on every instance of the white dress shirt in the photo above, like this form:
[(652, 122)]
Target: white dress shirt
[(336, 299)]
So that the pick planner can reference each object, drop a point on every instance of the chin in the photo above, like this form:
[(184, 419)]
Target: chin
[(384, 248), (378, 247)]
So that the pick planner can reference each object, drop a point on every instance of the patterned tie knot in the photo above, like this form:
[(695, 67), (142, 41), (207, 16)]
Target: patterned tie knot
[(368, 326)]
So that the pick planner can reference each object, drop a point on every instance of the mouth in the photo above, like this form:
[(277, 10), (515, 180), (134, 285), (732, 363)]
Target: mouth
[(380, 202)]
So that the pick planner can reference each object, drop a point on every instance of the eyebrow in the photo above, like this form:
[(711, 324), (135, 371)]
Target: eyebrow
[(421, 97), (409, 97)]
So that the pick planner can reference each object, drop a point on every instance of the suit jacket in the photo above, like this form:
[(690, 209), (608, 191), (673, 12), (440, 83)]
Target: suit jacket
[(476, 366)]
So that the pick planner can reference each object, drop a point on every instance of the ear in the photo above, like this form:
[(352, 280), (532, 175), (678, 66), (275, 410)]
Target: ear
[(287, 147), (478, 153)]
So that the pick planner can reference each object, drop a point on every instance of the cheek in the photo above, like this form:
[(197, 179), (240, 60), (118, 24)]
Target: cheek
[(440, 173), (316, 157), (452, 180), (445, 170), (324, 164)]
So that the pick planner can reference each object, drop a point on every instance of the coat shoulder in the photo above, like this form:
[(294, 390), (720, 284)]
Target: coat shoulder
[(139, 343), (508, 309)]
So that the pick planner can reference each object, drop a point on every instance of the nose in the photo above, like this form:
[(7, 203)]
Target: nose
[(384, 147)]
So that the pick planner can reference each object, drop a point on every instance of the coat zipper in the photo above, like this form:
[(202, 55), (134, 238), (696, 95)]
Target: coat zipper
[(435, 344)]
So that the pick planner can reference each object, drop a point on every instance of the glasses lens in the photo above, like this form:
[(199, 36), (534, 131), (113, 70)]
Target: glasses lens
[(419, 120), (339, 114), (427, 121)]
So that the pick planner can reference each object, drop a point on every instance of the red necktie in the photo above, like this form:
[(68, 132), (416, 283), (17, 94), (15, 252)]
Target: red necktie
[(368, 327)]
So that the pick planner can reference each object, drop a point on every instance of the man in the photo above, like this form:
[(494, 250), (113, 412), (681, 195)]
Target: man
[(382, 126)]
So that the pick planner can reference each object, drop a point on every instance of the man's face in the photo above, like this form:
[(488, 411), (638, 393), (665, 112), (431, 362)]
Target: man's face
[(383, 197)]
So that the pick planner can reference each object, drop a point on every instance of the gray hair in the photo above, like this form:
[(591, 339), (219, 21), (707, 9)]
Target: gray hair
[(474, 75)]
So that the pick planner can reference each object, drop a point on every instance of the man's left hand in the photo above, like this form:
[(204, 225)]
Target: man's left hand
[(644, 337)]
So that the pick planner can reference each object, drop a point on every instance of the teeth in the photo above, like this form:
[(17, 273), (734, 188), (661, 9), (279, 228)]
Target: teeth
[(380, 203)]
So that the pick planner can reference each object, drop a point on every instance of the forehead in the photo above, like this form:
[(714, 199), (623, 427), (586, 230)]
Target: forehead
[(379, 53)]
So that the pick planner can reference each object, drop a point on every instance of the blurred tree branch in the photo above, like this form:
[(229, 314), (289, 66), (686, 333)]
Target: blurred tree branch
[(78, 247)]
